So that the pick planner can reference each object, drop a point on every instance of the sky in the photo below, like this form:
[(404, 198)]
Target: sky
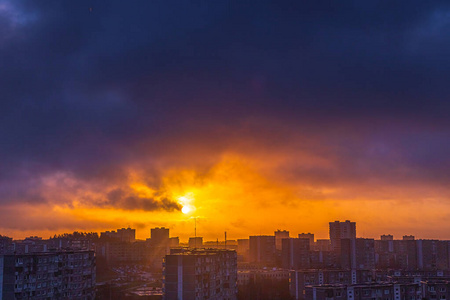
[(246, 116)]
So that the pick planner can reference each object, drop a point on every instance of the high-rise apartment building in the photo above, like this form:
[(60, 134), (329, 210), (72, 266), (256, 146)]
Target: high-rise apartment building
[(124, 235), (384, 251), (341, 230), (243, 248), (405, 254), (200, 274), (48, 275), (295, 254), (279, 236), (409, 238), (262, 249), (387, 237), (309, 236), (159, 237), (322, 245), (357, 254)]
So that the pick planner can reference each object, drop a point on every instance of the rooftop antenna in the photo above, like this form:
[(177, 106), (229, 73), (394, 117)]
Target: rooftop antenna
[(195, 232)]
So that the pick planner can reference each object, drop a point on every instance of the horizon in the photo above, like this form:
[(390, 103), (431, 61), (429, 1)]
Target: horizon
[(185, 239)]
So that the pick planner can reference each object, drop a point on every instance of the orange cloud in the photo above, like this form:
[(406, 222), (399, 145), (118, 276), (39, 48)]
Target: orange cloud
[(240, 194)]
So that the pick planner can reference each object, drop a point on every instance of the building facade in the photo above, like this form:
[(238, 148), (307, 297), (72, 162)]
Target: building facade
[(279, 236), (49, 275), (295, 254), (196, 242), (262, 250), (382, 291), (200, 274), (341, 230), (159, 237)]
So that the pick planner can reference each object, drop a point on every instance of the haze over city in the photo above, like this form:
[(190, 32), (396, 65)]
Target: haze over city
[(246, 117)]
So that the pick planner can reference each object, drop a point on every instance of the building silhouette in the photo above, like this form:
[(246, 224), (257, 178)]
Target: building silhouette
[(159, 237), (196, 242), (200, 274), (279, 236), (295, 254), (262, 250), (341, 230)]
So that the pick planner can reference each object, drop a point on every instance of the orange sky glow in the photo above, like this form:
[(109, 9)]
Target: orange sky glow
[(238, 194)]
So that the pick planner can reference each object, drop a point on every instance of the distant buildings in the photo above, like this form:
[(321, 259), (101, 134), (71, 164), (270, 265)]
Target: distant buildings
[(363, 291), (300, 279), (200, 274), (174, 242), (248, 276), (159, 237), (309, 236), (32, 244), (412, 254), (196, 242), (357, 254), (48, 275), (119, 253), (387, 237), (263, 283), (295, 254), (121, 247), (243, 249), (262, 250), (322, 245), (228, 244), (408, 238), (341, 230), (279, 236), (124, 235)]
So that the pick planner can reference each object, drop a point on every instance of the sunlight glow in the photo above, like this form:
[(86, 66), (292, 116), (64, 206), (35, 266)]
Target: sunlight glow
[(186, 209), (186, 201)]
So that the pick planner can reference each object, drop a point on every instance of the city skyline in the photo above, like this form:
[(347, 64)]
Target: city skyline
[(114, 264), (241, 117), (230, 237)]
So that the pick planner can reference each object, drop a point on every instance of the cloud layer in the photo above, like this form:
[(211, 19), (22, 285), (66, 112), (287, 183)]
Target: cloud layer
[(338, 103)]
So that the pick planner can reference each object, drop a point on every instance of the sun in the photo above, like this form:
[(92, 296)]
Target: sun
[(186, 209), (186, 203)]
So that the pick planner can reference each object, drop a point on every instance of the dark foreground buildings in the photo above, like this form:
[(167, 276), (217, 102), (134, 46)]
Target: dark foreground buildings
[(200, 274), (48, 275)]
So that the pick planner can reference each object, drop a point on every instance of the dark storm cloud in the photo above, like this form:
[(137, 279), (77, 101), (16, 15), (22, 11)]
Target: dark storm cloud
[(121, 199), (90, 92)]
